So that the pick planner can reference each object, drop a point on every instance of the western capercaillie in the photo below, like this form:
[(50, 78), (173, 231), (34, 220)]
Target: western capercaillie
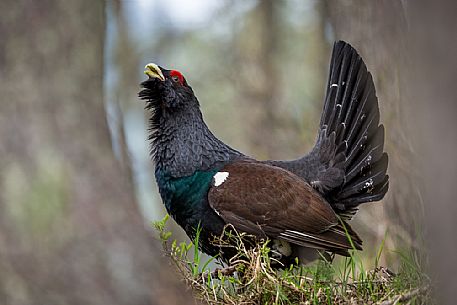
[(301, 205)]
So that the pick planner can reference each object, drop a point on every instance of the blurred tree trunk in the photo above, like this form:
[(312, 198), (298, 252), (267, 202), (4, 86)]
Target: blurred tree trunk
[(258, 76), (265, 76), (125, 88), (433, 48), (70, 231), (410, 47), (378, 30)]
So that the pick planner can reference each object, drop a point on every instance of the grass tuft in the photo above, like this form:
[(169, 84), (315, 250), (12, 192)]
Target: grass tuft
[(251, 277)]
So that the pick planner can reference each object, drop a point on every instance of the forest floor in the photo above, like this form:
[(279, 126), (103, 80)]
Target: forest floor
[(250, 277)]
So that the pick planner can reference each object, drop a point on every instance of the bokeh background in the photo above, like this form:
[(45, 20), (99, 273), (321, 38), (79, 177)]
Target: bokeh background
[(77, 194)]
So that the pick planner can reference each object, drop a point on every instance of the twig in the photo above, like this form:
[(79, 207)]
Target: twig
[(223, 271), (405, 297)]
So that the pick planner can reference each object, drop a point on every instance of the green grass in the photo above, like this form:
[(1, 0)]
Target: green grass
[(250, 278)]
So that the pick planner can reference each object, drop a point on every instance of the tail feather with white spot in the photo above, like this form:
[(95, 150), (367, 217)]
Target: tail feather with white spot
[(351, 121), (348, 164)]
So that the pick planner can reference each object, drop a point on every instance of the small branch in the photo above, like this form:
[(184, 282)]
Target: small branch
[(223, 271), (405, 297)]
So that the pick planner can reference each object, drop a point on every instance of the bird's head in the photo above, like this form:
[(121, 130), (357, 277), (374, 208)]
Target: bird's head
[(166, 90)]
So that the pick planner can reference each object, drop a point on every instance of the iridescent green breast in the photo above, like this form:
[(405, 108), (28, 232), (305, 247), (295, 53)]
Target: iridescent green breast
[(185, 197)]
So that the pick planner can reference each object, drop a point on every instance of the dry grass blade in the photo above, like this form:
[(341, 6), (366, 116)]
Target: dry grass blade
[(252, 277), (406, 296)]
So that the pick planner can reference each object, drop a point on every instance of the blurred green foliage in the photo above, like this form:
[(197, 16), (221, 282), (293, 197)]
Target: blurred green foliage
[(36, 201)]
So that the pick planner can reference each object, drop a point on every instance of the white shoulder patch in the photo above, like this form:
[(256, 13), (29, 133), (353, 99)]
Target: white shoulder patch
[(220, 177)]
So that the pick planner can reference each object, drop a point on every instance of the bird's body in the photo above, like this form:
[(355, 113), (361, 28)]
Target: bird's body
[(206, 184)]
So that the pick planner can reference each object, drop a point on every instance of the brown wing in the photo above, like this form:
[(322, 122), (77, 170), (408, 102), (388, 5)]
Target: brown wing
[(268, 201)]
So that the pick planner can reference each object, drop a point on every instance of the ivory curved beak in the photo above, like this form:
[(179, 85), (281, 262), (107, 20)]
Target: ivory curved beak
[(153, 71)]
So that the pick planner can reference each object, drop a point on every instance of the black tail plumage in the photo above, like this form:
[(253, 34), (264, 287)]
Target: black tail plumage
[(348, 164), (351, 120)]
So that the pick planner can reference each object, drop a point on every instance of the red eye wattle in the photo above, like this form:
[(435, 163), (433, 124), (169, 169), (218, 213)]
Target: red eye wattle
[(177, 76)]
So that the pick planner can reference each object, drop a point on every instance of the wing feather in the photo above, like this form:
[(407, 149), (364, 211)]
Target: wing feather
[(268, 201)]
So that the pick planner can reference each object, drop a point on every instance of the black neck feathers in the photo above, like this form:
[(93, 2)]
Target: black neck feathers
[(181, 142)]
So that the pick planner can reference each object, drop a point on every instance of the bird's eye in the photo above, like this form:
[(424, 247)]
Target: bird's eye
[(176, 77)]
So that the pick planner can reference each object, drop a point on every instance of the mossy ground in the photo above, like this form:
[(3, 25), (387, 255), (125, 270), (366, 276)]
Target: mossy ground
[(250, 278)]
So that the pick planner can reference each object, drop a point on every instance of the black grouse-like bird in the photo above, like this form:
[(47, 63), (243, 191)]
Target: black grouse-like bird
[(206, 184)]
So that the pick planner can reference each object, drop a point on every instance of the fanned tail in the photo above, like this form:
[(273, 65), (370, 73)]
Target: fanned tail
[(350, 124), (348, 164)]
